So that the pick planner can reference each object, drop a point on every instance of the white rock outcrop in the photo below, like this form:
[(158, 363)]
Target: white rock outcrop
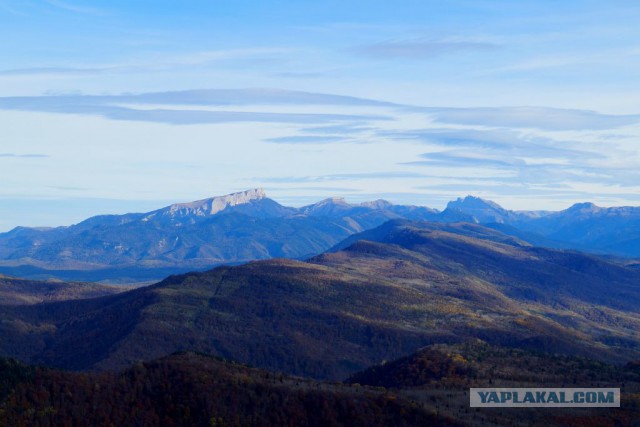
[(207, 207)]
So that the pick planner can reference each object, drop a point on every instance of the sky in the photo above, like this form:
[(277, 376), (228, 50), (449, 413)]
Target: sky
[(119, 106)]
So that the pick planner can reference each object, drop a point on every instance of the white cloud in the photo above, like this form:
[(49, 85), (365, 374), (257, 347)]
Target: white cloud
[(75, 8), (556, 119), (418, 49)]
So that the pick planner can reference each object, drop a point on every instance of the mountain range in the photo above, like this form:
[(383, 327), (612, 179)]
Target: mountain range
[(408, 314), (378, 296), (247, 226)]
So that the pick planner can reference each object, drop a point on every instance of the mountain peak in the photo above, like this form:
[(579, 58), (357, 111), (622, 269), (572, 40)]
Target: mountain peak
[(481, 210), (584, 207), (328, 206), (472, 202), (334, 200), (377, 204), (331, 201), (216, 204)]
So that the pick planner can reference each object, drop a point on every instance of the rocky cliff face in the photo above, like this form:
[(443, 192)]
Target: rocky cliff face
[(211, 206)]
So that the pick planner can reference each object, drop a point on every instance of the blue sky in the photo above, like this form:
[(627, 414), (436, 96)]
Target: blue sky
[(110, 107)]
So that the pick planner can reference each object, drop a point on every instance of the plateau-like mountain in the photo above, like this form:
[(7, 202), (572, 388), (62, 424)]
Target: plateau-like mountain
[(252, 203), (382, 294)]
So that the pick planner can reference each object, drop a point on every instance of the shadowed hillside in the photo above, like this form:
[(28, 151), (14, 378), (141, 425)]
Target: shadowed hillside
[(409, 285), (195, 390), (440, 376), (429, 387)]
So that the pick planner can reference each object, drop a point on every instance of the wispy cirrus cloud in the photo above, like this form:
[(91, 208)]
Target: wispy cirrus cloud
[(343, 177), (420, 49), (341, 129), (119, 107), (203, 97), (71, 7), (12, 10), (543, 118), (466, 158), (307, 139), (194, 117), (25, 156), (509, 170), (42, 71), (299, 75), (504, 142), (168, 61), (262, 96)]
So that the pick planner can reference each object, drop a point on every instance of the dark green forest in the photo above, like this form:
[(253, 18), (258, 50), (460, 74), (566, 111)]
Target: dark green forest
[(188, 389)]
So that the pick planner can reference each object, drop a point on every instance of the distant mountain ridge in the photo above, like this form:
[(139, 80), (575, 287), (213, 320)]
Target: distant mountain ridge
[(582, 226), (248, 225), (14, 291), (235, 228), (486, 211)]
